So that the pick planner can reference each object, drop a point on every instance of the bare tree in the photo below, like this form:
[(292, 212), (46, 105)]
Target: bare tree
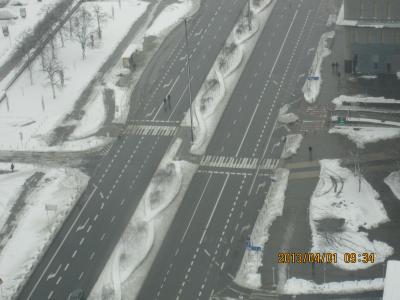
[(83, 25), (101, 18), (25, 46), (54, 71)]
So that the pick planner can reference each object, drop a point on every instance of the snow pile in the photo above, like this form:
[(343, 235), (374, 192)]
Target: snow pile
[(245, 28), (169, 17), (288, 118), (247, 275), (296, 286), (292, 144), (338, 210), (393, 181), (206, 118), (364, 135), (391, 288), (311, 87), (11, 186), (259, 5), (59, 189), (94, 116), (398, 75), (362, 100), (229, 59), (31, 106), (142, 238)]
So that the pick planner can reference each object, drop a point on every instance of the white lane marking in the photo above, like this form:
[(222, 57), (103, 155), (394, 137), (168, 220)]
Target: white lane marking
[(79, 228), (92, 255), (197, 206), (53, 275), (81, 241), (66, 267), (81, 275), (50, 295), (112, 219), (213, 211), (58, 280), (283, 44), (74, 253), (102, 237)]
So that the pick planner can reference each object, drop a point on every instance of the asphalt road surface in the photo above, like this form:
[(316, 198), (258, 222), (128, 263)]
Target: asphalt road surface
[(206, 242), (80, 250)]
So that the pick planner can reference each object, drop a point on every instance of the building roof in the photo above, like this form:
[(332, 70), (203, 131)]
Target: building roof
[(365, 23)]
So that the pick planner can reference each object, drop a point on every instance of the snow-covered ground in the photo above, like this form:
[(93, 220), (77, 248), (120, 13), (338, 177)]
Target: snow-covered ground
[(208, 108), (295, 286), (170, 16), (367, 121), (393, 181), (133, 256), (364, 135), (247, 275), (312, 87), (31, 114), (35, 10), (57, 190), (359, 100), (292, 144), (391, 288), (342, 204)]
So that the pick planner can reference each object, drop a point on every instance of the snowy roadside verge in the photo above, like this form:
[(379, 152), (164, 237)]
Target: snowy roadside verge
[(247, 275), (292, 144), (364, 135), (312, 87), (296, 286), (393, 181), (342, 205), (133, 256), (208, 110), (44, 211)]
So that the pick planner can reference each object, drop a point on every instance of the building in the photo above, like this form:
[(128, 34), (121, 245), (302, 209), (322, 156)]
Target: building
[(372, 29)]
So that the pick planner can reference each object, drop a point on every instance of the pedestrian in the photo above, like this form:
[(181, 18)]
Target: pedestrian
[(338, 75), (165, 103), (333, 66), (12, 167), (169, 101), (310, 152)]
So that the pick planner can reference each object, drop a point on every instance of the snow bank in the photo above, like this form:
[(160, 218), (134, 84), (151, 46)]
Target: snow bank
[(391, 288), (367, 121), (169, 17), (360, 100), (11, 186), (295, 286), (364, 135), (338, 210), (292, 144), (59, 188), (312, 88), (31, 107), (393, 181), (259, 5), (288, 118), (93, 119), (247, 275)]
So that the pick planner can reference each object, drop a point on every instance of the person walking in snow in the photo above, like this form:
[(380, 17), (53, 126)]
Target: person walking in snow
[(12, 167)]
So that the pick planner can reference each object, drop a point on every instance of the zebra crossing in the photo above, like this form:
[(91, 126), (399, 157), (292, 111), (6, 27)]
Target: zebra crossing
[(152, 130), (104, 151), (238, 162)]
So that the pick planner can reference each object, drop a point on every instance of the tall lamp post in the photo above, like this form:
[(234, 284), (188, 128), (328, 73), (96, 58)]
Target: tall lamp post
[(188, 72)]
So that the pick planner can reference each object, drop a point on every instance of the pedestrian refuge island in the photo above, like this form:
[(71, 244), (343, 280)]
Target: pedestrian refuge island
[(392, 280)]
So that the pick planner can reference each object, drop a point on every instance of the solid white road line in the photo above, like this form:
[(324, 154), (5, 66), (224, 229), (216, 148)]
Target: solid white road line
[(195, 210), (213, 211)]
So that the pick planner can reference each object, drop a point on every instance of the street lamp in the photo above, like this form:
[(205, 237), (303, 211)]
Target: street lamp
[(189, 81)]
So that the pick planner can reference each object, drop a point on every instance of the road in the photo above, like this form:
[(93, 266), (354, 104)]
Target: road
[(81, 248), (205, 244)]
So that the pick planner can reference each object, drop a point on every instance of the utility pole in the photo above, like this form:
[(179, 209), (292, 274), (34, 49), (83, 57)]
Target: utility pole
[(188, 72), (249, 15)]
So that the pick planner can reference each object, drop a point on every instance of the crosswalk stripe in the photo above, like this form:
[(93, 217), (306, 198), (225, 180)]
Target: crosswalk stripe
[(238, 162), (153, 130)]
